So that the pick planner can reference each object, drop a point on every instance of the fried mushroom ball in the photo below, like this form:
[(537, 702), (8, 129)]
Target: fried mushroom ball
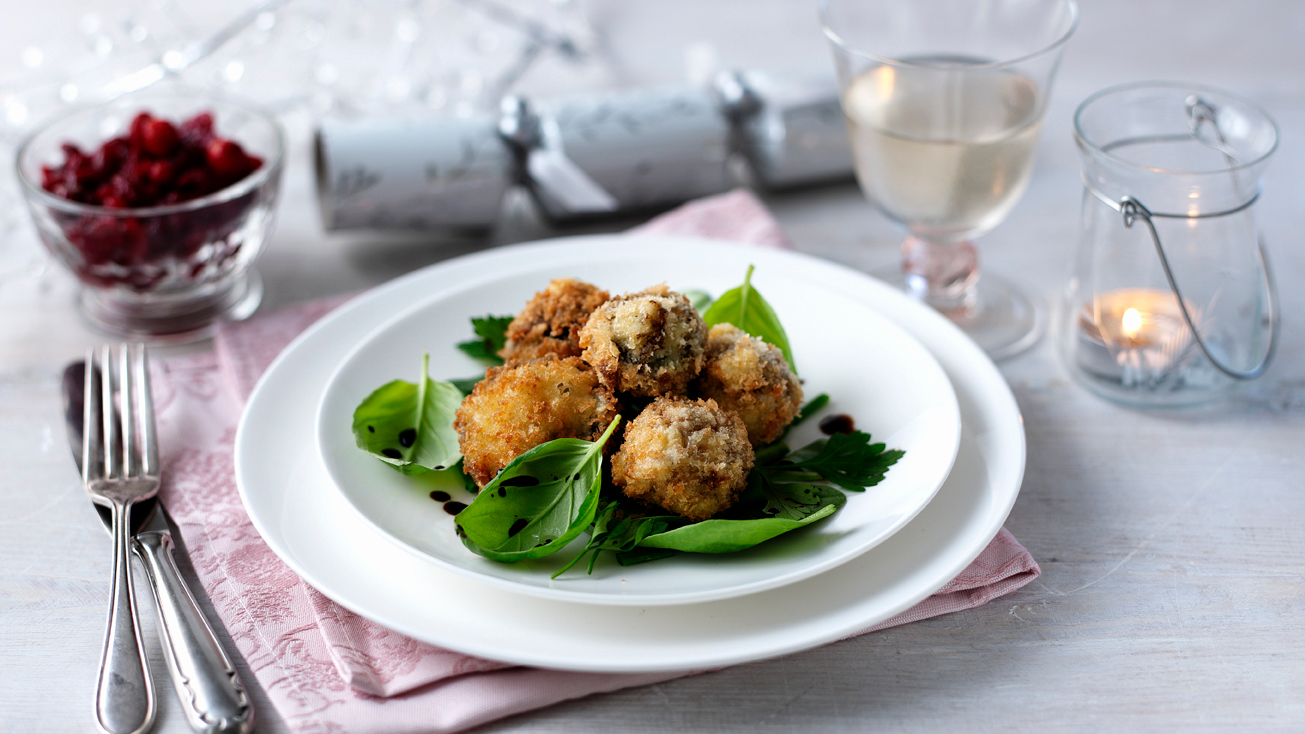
[(519, 406), (551, 321), (746, 375), (647, 344), (690, 457)]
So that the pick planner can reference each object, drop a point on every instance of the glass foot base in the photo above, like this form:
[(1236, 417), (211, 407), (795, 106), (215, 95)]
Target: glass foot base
[(171, 319), (1004, 321)]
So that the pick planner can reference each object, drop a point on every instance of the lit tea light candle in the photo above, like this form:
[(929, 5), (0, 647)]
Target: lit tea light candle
[(1133, 335), (1131, 323)]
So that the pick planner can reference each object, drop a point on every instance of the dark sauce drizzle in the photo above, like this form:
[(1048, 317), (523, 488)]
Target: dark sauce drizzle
[(838, 423), (407, 437)]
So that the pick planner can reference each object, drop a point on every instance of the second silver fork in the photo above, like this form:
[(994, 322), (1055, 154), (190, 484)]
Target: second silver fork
[(120, 465)]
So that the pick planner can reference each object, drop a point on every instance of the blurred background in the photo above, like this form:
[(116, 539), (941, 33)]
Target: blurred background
[(311, 60)]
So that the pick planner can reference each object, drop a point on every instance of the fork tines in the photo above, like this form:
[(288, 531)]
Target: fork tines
[(118, 419)]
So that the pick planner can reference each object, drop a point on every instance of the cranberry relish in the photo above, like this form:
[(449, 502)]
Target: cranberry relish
[(155, 164)]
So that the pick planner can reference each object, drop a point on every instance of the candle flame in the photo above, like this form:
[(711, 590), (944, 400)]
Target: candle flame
[(887, 79), (1131, 322)]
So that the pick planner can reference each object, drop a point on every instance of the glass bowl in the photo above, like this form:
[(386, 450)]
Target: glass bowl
[(159, 273)]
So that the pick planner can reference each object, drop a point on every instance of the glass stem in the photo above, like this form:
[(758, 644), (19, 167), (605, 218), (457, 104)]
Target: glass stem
[(942, 274)]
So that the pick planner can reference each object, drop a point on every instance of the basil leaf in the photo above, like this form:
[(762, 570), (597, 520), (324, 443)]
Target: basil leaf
[(729, 536), (643, 555), (766, 509), (785, 491), (847, 459), (701, 300), (745, 308), (465, 386), (540, 502), (621, 536), (492, 331), (410, 426)]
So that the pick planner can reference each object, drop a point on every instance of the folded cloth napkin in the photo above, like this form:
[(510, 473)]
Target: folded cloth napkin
[(326, 669)]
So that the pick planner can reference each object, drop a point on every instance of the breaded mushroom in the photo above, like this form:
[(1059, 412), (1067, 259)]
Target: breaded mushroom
[(746, 375), (647, 344), (520, 406), (551, 321), (690, 457)]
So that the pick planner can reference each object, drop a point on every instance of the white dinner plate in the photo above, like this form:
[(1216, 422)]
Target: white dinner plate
[(872, 369), (312, 528)]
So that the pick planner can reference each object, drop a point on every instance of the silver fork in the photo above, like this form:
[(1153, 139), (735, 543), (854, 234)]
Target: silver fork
[(120, 465)]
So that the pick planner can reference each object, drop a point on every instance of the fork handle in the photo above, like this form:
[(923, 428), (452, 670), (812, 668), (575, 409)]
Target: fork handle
[(211, 693), (124, 698)]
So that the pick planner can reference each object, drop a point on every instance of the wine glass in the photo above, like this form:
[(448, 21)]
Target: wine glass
[(944, 101)]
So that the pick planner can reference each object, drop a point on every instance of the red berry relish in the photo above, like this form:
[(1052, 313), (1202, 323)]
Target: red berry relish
[(155, 164)]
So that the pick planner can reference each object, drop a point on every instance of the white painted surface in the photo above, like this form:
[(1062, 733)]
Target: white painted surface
[(1171, 543)]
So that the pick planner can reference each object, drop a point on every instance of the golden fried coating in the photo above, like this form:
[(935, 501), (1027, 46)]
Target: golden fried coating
[(687, 456), (551, 322), (519, 406), (746, 375), (647, 344)]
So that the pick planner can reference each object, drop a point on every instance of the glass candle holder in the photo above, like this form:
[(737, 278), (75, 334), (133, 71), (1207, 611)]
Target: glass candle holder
[(158, 273), (1170, 302)]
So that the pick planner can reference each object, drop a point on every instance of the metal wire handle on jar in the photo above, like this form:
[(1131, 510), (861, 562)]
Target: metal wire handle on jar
[(1200, 111)]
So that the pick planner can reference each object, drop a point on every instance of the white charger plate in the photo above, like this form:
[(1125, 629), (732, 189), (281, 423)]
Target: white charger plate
[(871, 368), (312, 528)]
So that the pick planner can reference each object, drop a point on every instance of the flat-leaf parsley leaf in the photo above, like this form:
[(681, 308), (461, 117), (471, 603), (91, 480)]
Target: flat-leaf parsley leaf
[(492, 331)]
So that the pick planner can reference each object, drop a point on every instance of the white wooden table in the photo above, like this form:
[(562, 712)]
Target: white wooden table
[(1171, 544)]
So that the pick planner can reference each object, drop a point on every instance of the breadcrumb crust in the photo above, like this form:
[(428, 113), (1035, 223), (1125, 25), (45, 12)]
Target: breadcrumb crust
[(522, 405), (750, 377), (551, 321), (646, 344), (690, 457)]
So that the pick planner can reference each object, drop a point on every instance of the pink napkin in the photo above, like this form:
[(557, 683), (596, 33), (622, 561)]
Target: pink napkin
[(326, 669)]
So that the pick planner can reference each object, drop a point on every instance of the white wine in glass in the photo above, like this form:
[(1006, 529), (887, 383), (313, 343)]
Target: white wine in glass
[(944, 176), (943, 134)]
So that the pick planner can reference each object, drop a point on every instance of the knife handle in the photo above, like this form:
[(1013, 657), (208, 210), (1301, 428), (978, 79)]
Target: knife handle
[(211, 694)]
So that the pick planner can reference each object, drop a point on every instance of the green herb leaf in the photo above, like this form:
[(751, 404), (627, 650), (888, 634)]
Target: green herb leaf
[(847, 459), (785, 491), (539, 502), (468, 483), (465, 386), (410, 426), (767, 508), (729, 536), (643, 555), (492, 331), (745, 308), (619, 536), (701, 300), (770, 454), (798, 500)]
